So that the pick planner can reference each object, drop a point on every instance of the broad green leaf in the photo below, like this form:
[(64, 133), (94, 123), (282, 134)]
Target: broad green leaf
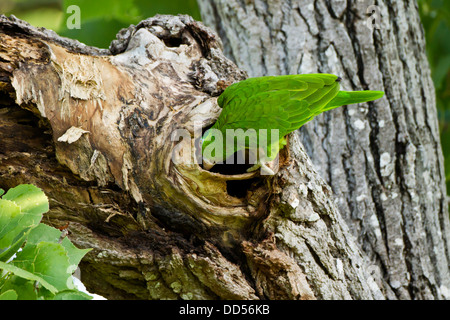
[(43, 232), (75, 254), (43, 268), (47, 233), (12, 233), (8, 295), (30, 199), (9, 213), (48, 261), (9, 267), (20, 210), (24, 288), (18, 241), (1, 192)]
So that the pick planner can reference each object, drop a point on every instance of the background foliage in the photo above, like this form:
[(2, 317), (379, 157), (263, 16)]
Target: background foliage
[(102, 19)]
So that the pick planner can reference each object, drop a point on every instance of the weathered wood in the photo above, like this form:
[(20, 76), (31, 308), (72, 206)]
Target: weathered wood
[(383, 160), (93, 129)]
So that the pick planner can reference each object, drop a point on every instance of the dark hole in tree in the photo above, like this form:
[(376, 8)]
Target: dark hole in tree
[(239, 188), (235, 164), (173, 41), (238, 163)]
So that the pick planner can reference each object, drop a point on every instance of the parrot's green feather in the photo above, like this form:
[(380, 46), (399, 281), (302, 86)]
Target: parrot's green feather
[(344, 98), (282, 102)]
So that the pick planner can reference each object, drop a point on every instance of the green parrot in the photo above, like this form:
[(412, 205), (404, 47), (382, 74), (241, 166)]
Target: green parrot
[(258, 113)]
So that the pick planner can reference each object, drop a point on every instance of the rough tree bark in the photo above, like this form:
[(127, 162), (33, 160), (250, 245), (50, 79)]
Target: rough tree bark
[(383, 161), (93, 129)]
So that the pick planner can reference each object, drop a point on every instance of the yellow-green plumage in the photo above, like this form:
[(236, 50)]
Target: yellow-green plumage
[(281, 102)]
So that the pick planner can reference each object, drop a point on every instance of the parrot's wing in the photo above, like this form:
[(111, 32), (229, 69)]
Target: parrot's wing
[(350, 97), (283, 102)]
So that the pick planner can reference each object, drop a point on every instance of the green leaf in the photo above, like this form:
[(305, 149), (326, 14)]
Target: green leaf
[(9, 211), (8, 295), (24, 288), (47, 260), (43, 269), (8, 267), (21, 209), (1, 192), (30, 199), (47, 233), (43, 232), (75, 254), (18, 241), (12, 233)]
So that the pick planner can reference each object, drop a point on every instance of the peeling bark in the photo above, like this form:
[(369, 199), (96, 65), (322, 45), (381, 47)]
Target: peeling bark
[(93, 128), (383, 160)]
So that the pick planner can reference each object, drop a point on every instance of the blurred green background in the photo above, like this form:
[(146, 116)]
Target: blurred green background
[(102, 19)]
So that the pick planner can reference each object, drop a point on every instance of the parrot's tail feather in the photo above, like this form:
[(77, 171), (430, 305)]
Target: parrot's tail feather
[(350, 97)]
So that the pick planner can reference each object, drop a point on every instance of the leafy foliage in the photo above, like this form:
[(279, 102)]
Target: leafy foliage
[(36, 262), (435, 15)]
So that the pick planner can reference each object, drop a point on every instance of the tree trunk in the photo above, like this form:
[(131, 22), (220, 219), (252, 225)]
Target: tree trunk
[(383, 160), (94, 129)]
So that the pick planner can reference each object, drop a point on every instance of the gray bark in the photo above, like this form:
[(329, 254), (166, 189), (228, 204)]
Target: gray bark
[(383, 160)]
